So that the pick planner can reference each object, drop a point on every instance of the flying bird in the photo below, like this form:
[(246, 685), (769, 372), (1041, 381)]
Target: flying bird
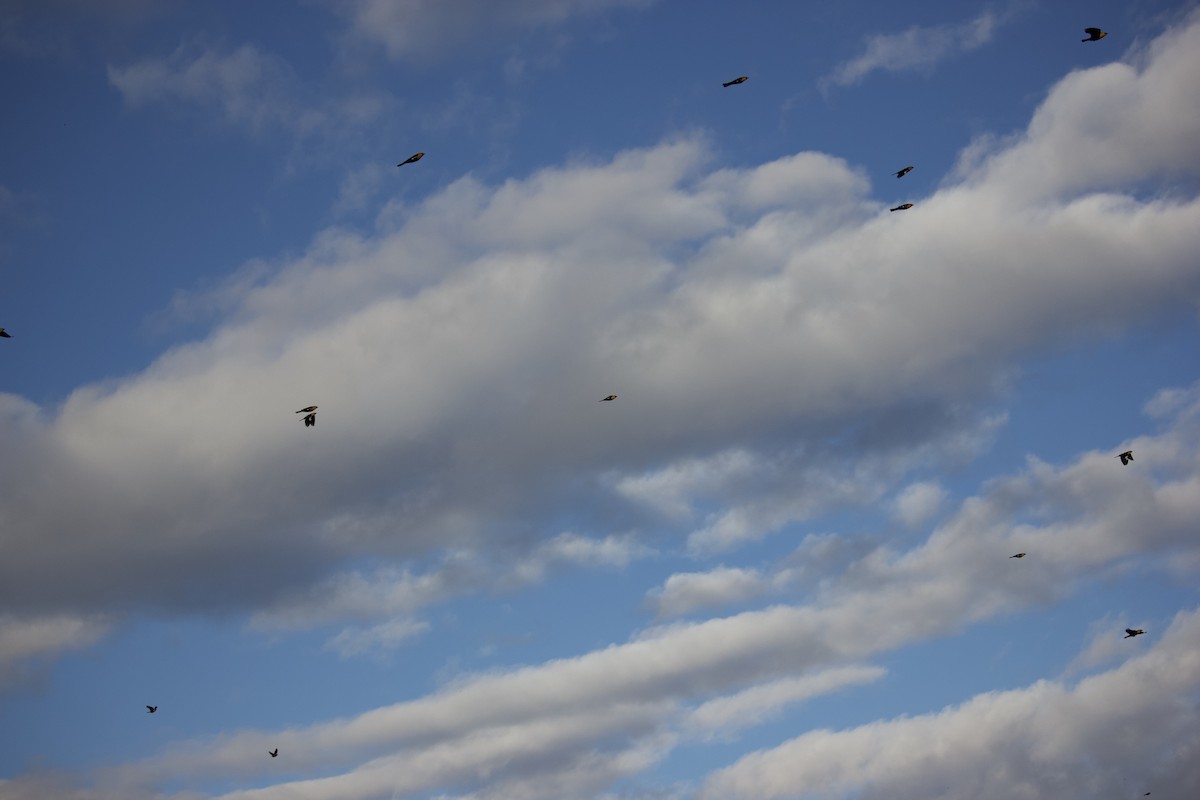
[(151, 709), (274, 752), (1125, 457), (5, 334), (1018, 555), (904, 171), (901, 207), (310, 421), (414, 158), (735, 81), (608, 399), (1130, 633), (1094, 34), (308, 410)]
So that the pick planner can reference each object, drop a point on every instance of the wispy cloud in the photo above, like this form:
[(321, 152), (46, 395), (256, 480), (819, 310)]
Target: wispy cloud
[(915, 48)]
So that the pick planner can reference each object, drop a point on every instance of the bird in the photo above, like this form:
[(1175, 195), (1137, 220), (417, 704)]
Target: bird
[(1018, 555), (310, 421), (151, 709), (735, 81), (274, 752), (904, 171), (1125, 457), (414, 158), (1130, 633), (1094, 34), (5, 334), (901, 207), (609, 398), (307, 410)]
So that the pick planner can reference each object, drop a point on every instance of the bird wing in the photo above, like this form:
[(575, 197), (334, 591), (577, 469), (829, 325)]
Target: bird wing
[(1092, 31), (1130, 631)]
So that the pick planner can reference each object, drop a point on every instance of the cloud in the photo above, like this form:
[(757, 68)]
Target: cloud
[(384, 636), (633, 702), (459, 351), (423, 29), (918, 502), (26, 640), (915, 48), (688, 591), (246, 86), (1136, 723)]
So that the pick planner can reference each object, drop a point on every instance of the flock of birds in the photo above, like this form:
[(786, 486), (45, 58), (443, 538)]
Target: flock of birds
[(310, 412)]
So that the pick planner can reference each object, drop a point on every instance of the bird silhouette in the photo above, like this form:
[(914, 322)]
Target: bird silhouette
[(1094, 34), (274, 752), (736, 81), (1130, 633), (308, 410), (904, 171), (151, 709), (414, 158), (609, 398), (310, 421), (1125, 457), (901, 207), (5, 334), (1018, 555)]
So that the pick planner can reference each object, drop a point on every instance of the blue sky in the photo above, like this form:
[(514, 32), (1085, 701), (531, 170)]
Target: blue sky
[(777, 566)]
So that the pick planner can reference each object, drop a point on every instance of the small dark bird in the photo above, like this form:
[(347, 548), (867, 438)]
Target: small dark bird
[(609, 398), (904, 171), (736, 81), (1094, 34), (308, 410), (414, 158), (1125, 457), (1018, 555), (151, 709), (311, 420), (274, 752), (1130, 633), (5, 334), (901, 207)]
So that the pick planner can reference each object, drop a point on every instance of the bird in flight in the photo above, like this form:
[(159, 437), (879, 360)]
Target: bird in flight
[(608, 399), (904, 171), (5, 334), (1130, 633), (1125, 457), (151, 709), (310, 421), (1018, 555), (274, 752), (1094, 34), (414, 158), (736, 81), (307, 410), (901, 207)]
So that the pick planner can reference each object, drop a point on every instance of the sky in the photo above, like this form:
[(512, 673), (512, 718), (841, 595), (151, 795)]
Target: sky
[(777, 565)]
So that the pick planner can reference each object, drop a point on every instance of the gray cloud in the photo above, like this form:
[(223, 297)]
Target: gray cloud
[(427, 28)]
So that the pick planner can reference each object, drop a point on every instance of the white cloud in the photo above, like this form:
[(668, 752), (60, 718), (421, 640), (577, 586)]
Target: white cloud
[(1137, 722), (915, 48), (726, 715), (247, 86), (918, 502), (382, 637), (688, 591), (23, 640), (458, 355)]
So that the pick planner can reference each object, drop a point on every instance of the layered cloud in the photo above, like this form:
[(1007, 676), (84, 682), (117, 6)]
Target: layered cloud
[(1133, 728), (755, 323)]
